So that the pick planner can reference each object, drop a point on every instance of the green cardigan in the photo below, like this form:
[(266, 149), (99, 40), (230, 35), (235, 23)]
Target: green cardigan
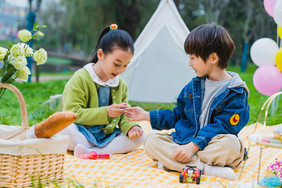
[(80, 96)]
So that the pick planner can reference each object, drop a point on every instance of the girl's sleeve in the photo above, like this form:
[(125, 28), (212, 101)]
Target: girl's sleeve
[(75, 100), (124, 124)]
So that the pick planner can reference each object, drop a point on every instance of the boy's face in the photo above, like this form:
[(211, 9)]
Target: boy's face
[(200, 67)]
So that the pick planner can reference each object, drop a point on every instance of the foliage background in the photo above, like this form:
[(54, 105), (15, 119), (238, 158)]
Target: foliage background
[(77, 24)]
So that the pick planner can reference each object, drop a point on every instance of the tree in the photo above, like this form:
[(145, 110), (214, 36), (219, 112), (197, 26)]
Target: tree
[(245, 20), (85, 19)]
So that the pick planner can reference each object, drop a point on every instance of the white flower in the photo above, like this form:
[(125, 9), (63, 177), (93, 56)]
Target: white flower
[(17, 50), (23, 73), (40, 56), (24, 35), (28, 51), (19, 62), (3, 52)]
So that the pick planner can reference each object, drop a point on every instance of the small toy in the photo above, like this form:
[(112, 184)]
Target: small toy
[(271, 140), (190, 174), (93, 155)]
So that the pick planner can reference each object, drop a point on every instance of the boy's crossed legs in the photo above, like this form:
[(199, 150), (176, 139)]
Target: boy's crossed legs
[(222, 150)]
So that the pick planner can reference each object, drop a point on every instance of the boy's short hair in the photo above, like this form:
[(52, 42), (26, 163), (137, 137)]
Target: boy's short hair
[(209, 38)]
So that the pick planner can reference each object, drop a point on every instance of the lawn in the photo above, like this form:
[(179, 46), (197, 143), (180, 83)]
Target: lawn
[(35, 94)]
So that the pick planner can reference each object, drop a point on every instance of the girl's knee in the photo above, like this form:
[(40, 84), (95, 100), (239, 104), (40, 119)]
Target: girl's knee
[(140, 141)]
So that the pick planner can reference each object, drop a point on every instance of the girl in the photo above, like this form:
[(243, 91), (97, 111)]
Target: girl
[(99, 97)]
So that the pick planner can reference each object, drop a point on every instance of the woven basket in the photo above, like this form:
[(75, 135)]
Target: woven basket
[(24, 161)]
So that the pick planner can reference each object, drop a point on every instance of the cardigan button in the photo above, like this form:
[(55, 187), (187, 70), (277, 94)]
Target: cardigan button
[(114, 90), (115, 120), (114, 97), (110, 125), (105, 131)]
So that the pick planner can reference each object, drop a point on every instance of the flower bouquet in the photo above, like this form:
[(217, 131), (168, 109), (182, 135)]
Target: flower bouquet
[(13, 63), (24, 160)]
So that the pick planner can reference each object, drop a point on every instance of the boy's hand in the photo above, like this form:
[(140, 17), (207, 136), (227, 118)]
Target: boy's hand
[(115, 110), (136, 114), (135, 132), (184, 152)]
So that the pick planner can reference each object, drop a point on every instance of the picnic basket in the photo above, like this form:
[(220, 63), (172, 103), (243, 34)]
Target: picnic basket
[(26, 162)]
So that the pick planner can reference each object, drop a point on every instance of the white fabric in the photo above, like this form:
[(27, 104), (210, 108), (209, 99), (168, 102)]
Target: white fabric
[(54, 145), (111, 82), (7, 131), (160, 67)]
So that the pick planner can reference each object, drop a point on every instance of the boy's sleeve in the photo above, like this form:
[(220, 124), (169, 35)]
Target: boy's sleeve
[(74, 99), (124, 124), (234, 116), (166, 119)]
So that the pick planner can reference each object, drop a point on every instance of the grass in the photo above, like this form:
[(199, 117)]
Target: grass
[(35, 94)]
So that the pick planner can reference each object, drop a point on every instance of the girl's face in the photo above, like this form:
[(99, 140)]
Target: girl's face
[(113, 63)]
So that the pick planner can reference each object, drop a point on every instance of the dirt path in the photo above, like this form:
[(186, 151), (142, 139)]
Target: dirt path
[(47, 78)]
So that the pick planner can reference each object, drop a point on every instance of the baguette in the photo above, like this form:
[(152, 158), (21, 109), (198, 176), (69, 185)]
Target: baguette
[(54, 124)]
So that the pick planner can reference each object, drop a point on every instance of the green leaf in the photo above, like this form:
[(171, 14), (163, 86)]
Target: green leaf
[(35, 26), (35, 37), (10, 46), (6, 77)]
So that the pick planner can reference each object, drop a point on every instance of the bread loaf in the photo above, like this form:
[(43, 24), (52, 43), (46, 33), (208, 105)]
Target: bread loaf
[(54, 124)]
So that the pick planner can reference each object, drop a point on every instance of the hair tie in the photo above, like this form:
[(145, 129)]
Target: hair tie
[(113, 26)]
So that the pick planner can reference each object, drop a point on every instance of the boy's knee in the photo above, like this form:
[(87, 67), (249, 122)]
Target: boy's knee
[(150, 141), (231, 144)]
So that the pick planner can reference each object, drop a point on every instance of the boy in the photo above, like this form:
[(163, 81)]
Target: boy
[(211, 110)]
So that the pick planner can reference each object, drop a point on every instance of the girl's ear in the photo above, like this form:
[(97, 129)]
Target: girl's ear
[(214, 58), (100, 54)]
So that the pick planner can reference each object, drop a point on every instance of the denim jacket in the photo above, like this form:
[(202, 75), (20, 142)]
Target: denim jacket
[(230, 102)]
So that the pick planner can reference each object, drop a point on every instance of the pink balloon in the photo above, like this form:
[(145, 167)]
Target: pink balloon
[(267, 80), (269, 6)]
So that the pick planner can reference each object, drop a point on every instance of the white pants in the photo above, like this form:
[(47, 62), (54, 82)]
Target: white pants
[(120, 144)]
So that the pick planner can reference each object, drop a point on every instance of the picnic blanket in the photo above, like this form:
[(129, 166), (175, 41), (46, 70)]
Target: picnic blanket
[(136, 169)]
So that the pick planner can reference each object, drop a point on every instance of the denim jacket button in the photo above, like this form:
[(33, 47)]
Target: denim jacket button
[(219, 109), (190, 95)]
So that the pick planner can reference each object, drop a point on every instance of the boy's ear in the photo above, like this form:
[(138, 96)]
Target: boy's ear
[(100, 54), (214, 58)]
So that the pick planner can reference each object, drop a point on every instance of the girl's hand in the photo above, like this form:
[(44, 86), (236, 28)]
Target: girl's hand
[(184, 152), (115, 110), (135, 132), (136, 114)]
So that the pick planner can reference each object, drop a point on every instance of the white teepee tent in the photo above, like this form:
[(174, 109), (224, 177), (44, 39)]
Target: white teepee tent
[(160, 67)]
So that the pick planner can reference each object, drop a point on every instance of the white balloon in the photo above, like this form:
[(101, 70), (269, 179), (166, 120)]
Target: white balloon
[(263, 51), (277, 12)]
